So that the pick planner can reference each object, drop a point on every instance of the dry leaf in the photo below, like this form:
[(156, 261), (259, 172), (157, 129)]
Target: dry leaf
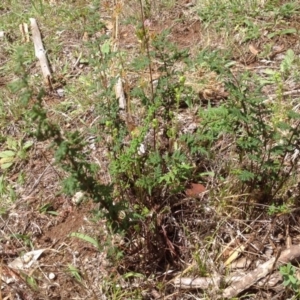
[(85, 36), (26, 260), (234, 255), (195, 189), (253, 50)]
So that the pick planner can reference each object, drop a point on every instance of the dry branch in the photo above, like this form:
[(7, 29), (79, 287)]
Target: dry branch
[(202, 283), (288, 93), (260, 272), (40, 52), (241, 282)]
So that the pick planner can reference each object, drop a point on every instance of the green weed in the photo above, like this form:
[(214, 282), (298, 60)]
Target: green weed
[(290, 279)]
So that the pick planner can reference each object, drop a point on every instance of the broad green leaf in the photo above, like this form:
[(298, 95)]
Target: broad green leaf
[(105, 48), (6, 160), (7, 153), (12, 144), (6, 165), (207, 174), (282, 32), (32, 282), (74, 272), (288, 31), (269, 71), (290, 55), (133, 274), (27, 145), (292, 279), (85, 238), (53, 213)]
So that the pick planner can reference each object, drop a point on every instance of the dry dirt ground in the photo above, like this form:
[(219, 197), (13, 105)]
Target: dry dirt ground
[(27, 224)]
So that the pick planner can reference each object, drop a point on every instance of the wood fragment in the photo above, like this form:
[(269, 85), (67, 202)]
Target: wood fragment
[(202, 283), (120, 94), (24, 32), (241, 263), (40, 52)]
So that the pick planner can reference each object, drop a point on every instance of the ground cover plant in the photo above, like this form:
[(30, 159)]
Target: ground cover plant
[(160, 159)]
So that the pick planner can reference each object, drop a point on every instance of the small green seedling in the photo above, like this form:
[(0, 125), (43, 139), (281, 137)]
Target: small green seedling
[(15, 151), (290, 279), (74, 272)]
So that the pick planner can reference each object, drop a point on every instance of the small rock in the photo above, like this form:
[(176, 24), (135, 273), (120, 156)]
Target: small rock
[(77, 198), (60, 92)]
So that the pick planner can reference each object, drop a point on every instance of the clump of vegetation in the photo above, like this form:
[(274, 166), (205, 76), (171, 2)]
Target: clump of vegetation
[(219, 131)]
